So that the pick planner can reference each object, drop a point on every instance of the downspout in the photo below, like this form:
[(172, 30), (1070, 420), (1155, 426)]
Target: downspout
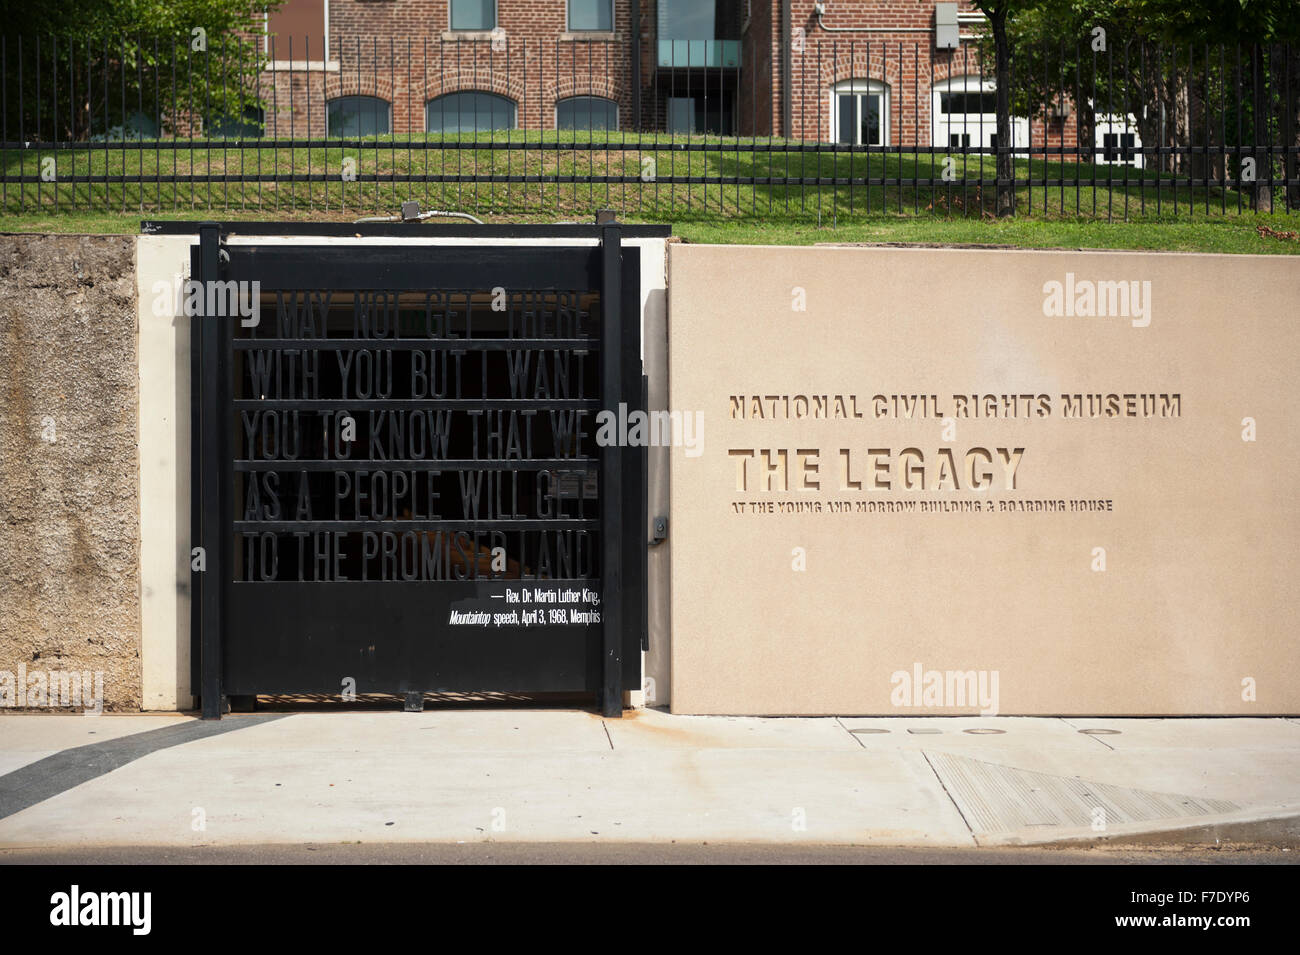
[(787, 73)]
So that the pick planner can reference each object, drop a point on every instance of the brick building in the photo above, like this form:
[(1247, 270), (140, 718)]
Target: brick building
[(866, 72)]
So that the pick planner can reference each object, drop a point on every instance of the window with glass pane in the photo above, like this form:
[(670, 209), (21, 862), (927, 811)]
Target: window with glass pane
[(698, 33), (586, 112), (688, 19), (591, 15), (353, 116), (468, 112), (869, 119), (1118, 146), (473, 14), (968, 102), (860, 116)]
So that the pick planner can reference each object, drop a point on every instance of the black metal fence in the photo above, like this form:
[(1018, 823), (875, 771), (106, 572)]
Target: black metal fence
[(688, 129)]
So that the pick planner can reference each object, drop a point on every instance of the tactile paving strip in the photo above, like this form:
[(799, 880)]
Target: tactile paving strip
[(995, 798)]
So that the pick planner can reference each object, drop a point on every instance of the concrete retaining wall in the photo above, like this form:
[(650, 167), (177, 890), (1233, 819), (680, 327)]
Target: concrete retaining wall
[(1140, 561), (69, 471)]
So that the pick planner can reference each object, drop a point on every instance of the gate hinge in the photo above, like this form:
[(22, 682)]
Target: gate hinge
[(660, 533)]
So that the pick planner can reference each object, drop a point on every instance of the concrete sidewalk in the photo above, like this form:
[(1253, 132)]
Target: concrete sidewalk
[(546, 775)]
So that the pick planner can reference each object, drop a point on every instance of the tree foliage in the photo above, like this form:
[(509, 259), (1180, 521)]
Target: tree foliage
[(131, 68), (1213, 72)]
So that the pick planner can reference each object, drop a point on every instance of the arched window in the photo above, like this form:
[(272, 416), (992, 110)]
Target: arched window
[(859, 113), (586, 112), (349, 117), (468, 112)]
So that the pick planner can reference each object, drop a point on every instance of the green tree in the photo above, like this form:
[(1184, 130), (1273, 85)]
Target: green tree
[(130, 67), (1078, 60), (1000, 14), (1171, 66), (1268, 32)]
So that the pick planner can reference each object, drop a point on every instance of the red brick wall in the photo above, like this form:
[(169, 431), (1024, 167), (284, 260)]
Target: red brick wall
[(904, 58), (396, 50)]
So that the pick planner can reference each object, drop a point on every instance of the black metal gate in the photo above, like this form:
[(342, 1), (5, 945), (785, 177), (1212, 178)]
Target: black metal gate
[(397, 481)]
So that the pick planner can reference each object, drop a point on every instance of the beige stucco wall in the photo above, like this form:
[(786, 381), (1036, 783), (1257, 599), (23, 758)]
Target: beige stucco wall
[(69, 530), (1181, 598)]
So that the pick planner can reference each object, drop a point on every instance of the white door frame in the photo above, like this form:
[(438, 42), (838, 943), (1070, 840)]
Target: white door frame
[(859, 85), (981, 127), (1116, 123)]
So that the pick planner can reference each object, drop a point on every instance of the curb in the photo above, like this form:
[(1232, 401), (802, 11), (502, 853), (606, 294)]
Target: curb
[(1281, 830)]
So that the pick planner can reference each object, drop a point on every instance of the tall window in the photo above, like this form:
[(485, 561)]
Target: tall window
[(353, 116), (473, 14), (591, 15), (586, 112), (860, 113), (467, 112)]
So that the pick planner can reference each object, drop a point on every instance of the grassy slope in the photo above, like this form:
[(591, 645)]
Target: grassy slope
[(1231, 235)]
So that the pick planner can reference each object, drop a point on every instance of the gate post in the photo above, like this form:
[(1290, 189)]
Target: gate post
[(611, 466), (209, 462)]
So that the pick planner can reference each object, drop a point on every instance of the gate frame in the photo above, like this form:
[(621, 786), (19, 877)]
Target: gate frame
[(624, 614)]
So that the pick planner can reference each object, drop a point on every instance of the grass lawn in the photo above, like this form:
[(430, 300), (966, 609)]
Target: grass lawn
[(1235, 235), (1232, 235), (1097, 206)]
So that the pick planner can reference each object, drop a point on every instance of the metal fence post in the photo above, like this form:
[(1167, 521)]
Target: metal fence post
[(611, 466)]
